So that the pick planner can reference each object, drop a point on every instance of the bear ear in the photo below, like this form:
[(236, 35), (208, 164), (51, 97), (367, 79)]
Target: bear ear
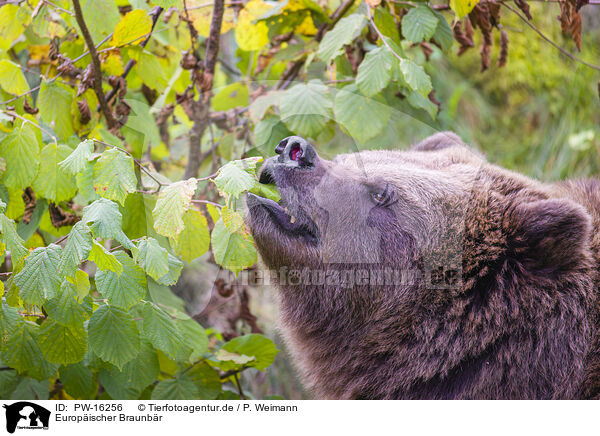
[(548, 233), (439, 141)]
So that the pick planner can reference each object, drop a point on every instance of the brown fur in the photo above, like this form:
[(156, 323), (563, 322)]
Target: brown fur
[(515, 315)]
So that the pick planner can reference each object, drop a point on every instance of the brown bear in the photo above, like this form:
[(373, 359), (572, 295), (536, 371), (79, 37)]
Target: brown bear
[(432, 274)]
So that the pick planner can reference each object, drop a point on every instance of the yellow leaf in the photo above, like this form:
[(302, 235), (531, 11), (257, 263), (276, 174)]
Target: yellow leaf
[(202, 17), (307, 27), (462, 7), (39, 52), (252, 36), (373, 3), (11, 78), (113, 64), (10, 26), (132, 28), (35, 241)]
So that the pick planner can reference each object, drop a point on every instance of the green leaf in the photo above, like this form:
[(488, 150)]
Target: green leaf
[(62, 344), (51, 182), (143, 370), (306, 108), (161, 330), (140, 129), (77, 380), (194, 240), (443, 32), (207, 380), (12, 79), (10, 320), (152, 258), (137, 215), (101, 17), (375, 71), (233, 179), (78, 159), (234, 251), (231, 96), (419, 24), (77, 248), (23, 353), (415, 77), (259, 351), (462, 7), (172, 275), (386, 24), (11, 239), (39, 278), (342, 34), (85, 183), (113, 380), (194, 337), (132, 28), (54, 102), (268, 132), (64, 308), (113, 335), (362, 117), (21, 150), (16, 205), (104, 259), (124, 290), (173, 201), (180, 388), (114, 175), (29, 389), (416, 100), (105, 220)]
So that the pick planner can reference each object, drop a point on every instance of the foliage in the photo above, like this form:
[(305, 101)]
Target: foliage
[(129, 132)]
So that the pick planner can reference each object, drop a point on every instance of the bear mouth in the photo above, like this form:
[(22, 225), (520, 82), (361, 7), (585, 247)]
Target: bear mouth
[(280, 215)]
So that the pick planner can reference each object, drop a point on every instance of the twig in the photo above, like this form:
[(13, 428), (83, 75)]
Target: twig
[(25, 120), (381, 35), (548, 40), (207, 177), (137, 162), (49, 3), (208, 202), (205, 5), (231, 372), (239, 386), (110, 119), (154, 14), (32, 90)]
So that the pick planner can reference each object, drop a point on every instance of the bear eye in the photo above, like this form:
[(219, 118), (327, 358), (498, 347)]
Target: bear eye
[(384, 197)]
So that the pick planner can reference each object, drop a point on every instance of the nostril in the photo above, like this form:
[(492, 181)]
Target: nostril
[(296, 152), (281, 146)]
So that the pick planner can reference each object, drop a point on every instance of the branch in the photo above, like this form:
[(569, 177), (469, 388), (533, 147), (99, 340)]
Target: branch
[(212, 45), (548, 40), (110, 119), (25, 120), (200, 110)]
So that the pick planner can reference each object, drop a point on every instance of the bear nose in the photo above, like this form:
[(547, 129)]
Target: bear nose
[(296, 149)]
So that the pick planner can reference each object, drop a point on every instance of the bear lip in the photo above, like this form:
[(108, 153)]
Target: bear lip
[(281, 217)]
